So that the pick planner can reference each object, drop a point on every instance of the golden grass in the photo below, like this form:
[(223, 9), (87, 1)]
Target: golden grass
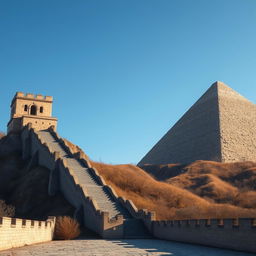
[(203, 189), (66, 228), (2, 134), (6, 210), (232, 183), (168, 201)]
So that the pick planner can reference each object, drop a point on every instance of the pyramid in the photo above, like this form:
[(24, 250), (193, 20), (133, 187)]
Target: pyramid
[(220, 126)]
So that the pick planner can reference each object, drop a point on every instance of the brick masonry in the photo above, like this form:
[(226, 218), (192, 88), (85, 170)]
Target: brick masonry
[(20, 232), (220, 126), (236, 234), (30, 108)]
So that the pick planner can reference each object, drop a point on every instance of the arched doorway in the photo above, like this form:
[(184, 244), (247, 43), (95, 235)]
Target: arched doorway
[(33, 110)]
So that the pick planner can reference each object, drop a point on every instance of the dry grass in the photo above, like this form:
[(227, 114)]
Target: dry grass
[(168, 201), (2, 134), (230, 183), (201, 190), (6, 210), (66, 228)]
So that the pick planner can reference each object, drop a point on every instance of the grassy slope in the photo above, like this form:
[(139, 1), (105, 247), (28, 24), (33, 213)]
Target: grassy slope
[(199, 190), (169, 201), (231, 183)]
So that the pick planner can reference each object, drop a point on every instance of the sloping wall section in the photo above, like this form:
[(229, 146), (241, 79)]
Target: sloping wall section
[(67, 175)]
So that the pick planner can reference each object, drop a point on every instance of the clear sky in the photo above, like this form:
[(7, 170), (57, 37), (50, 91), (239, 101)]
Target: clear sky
[(122, 72)]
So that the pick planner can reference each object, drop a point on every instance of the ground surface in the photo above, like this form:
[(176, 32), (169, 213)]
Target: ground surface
[(132, 247)]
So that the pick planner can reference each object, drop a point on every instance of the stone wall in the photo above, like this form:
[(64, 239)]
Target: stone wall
[(232, 234), (62, 178), (228, 233), (20, 232), (39, 123), (20, 100)]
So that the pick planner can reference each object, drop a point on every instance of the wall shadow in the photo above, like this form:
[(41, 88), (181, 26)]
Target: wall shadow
[(163, 248)]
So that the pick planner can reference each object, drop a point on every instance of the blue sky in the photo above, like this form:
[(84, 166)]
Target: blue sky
[(122, 72)]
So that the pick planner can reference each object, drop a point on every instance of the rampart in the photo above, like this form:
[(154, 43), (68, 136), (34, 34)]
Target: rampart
[(143, 214), (236, 234), (33, 96), (228, 233), (63, 178), (20, 232)]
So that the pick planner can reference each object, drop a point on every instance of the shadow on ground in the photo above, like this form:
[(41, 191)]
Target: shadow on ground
[(163, 248)]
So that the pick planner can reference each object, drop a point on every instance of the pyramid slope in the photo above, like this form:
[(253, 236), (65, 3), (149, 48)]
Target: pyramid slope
[(237, 126), (220, 126), (194, 136)]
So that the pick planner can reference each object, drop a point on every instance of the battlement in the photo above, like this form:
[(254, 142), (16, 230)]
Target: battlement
[(19, 232), (240, 222), (33, 96), (237, 234), (13, 222)]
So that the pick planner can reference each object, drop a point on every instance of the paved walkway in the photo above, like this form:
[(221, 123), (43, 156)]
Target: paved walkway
[(132, 247)]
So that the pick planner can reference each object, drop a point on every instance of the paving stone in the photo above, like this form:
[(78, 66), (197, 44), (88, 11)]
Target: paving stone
[(131, 247)]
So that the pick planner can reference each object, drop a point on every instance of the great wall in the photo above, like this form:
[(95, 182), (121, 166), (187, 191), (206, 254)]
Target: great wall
[(97, 205), (18, 232)]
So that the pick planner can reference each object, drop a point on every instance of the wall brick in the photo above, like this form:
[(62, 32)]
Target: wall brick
[(240, 235), (19, 232)]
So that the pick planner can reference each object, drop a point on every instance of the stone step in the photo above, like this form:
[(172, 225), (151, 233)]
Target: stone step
[(86, 179)]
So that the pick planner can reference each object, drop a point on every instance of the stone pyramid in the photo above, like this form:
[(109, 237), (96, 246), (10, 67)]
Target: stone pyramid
[(220, 126)]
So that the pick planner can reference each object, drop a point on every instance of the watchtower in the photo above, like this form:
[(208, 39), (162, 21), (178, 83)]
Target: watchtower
[(30, 108)]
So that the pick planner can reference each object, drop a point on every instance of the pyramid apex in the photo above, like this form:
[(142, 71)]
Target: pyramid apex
[(219, 84)]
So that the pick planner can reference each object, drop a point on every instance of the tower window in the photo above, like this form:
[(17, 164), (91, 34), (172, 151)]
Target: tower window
[(26, 108), (41, 109), (33, 110)]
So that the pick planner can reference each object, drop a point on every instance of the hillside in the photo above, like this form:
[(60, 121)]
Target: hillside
[(168, 200), (231, 183), (200, 190), (159, 189), (26, 189)]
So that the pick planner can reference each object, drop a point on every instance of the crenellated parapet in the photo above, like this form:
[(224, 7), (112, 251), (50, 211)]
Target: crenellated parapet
[(33, 96), (211, 223), (69, 184), (142, 214), (19, 232), (237, 234)]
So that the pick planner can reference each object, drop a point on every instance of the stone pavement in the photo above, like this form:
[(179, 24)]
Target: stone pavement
[(131, 247)]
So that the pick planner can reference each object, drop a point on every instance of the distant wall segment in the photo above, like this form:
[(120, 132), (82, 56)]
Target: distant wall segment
[(236, 234)]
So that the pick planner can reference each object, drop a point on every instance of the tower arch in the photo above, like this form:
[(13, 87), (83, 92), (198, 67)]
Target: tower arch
[(33, 110)]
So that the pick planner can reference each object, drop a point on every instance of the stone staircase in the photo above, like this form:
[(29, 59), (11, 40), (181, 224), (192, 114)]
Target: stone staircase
[(133, 228), (105, 200)]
